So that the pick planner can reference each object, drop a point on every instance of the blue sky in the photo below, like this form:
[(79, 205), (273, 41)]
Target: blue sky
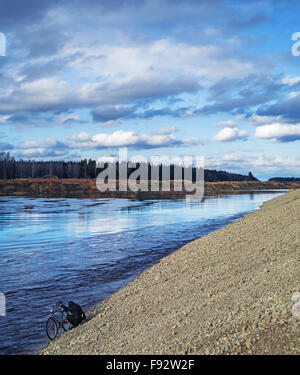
[(209, 78)]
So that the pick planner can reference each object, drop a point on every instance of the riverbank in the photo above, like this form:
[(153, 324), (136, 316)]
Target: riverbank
[(86, 188), (226, 293)]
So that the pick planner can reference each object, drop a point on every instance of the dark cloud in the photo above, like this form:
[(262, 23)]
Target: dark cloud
[(247, 87), (47, 41), (157, 87), (16, 12), (108, 113), (37, 70), (248, 22), (6, 146), (57, 145), (166, 111), (31, 9), (288, 109), (288, 138), (238, 95), (19, 118), (74, 121)]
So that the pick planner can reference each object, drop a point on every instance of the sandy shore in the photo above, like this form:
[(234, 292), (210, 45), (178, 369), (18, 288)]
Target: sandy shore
[(228, 292)]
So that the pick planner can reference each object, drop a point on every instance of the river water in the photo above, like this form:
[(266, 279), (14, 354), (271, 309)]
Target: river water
[(84, 250)]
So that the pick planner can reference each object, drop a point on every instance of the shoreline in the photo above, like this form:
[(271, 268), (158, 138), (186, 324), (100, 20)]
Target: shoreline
[(226, 293), (86, 188)]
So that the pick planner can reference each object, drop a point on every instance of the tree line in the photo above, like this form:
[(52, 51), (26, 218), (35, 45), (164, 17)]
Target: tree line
[(285, 179), (12, 169)]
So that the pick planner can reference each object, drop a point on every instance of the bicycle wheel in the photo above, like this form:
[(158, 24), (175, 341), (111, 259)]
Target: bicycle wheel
[(51, 328)]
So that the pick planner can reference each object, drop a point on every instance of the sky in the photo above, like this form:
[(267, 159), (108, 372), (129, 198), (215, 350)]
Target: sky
[(82, 78)]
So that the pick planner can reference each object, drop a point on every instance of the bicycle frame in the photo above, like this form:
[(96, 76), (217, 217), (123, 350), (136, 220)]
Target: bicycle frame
[(59, 317)]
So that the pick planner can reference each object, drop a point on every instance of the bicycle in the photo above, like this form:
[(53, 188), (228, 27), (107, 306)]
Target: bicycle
[(57, 320)]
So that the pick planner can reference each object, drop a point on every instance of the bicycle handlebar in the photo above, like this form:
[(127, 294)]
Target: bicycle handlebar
[(52, 309)]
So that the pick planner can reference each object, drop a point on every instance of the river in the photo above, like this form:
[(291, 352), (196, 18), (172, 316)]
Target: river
[(84, 250)]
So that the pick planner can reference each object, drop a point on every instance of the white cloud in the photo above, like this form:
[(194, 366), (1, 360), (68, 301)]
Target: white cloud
[(258, 120), (230, 134), (279, 132), (112, 123), (165, 56), (230, 157), (81, 137), (293, 94), (48, 148), (258, 163), (39, 95), (70, 117), (107, 158), (42, 152), (29, 144), (276, 163), (3, 119), (168, 130), (290, 80), (225, 124), (50, 143), (121, 138)]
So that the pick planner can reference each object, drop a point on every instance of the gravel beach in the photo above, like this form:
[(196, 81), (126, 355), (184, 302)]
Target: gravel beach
[(229, 292)]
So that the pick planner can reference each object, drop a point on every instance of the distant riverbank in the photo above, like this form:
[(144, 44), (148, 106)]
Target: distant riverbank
[(226, 293), (86, 188)]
